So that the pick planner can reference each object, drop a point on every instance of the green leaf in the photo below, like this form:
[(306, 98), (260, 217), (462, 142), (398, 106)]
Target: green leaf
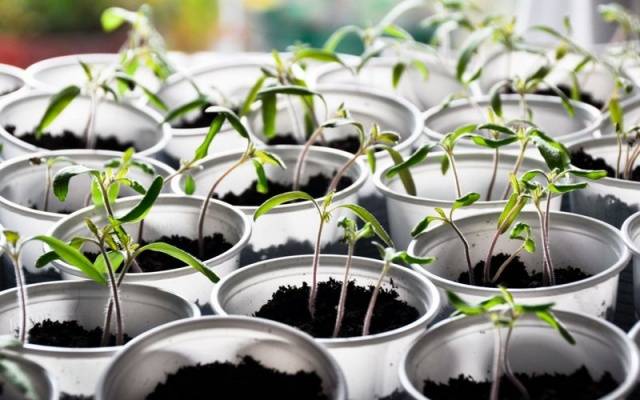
[(262, 185), (266, 157), (252, 95), (185, 108), (497, 128), (470, 47), (422, 68), (338, 36), (462, 306), (46, 259), (57, 104), (405, 174), (62, 178), (115, 259), (465, 201), (566, 188), (290, 90), (233, 119), (416, 158), (510, 212), (181, 255), (589, 174), (189, 184), (553, 152), (73, 256), (269, 112), (282, 199), (396, 73), (113, 17), (203, 149), (424, 224), (566, 102), (409, 259), (322, 55), (371, 159), (140, 211), (396, 32), (444, 164), (87, 70), (615, 113), (12, 237), (552, 321), (492, 144), (151, 96), (367, 217)]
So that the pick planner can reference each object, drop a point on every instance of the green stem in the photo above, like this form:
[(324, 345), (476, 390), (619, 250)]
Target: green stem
[(22, 295), (302, 156), (452, 161), (516, 166), (505, 264), (465, 244)]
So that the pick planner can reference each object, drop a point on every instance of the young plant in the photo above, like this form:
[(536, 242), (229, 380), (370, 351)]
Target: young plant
[(389, 256), (628, 28), (625, 137), (352, 235), (522, 232), (504, 313), (13, 249), (49, 163), (325, 209), (461, 202)]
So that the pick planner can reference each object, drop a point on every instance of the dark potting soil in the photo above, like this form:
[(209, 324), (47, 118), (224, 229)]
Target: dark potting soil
[(202, 120), (289, 305), (67, 396), (69, 140), (349, 144), (247, 380), (62, 211), (151, 261), (584, 96), (584, 160), (516, 275), (578, 385), (316, 186), (67, 334)]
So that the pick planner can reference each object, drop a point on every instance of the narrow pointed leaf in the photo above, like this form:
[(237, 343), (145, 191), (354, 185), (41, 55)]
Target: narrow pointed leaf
[(279, 200), (57, 104), (73, 256), (140, 211), (181, 255)]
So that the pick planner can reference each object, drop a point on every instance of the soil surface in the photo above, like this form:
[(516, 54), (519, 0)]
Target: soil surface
[(584, 160), (289, 305), (202, 120), (577, 386), (151, 261), (349, 144), (247, 380), (316, 186), (516, 275), (67, 334), (66, 396), (584, 96), (69, 140)]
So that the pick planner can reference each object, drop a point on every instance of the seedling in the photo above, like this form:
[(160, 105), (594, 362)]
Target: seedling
[(49, 163), (442, 216), (628, 29), (627, 138), (325, 210), (389, 256), (352, 235), (504, 313), (522, 232), (13, 248)]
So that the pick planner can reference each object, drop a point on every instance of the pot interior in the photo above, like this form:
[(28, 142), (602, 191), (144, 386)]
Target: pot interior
[(509, 64), (574, 241), (148, 362), (605, 148), (25, 184), (9, 83), (364, 107), (143, 307), (466, 347), (125, 122)]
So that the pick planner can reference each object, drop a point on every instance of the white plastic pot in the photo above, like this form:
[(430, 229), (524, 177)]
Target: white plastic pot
[(234, 77), (464, 346), (147, 360), (608, 199), (377, 73), (501, 65), (593, 246), (78, 369), (548, 115), (170, 215), (631, 234), (22, 186), (139, 125), (295, 221), (634, 334), (40, 381), (370, 362), (365, 105), (437, 190), (12, 79)]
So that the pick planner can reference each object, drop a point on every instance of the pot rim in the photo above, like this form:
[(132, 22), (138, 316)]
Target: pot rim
[(634, 333), (382, 182), (592, 126), (12, 70), (88, 352), (17, 358), (628, 226), (42, 65), (264, 267), (145, 112), (16, 163), (568, 317), (604, 141), (560, 217), (233, 155), (168, 199), (236, 320)]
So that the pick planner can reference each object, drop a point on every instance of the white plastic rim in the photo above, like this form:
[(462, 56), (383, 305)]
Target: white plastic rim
[(377, 73), (631, 234), (234, 77), (171, 214), (464, 346), (634, 334), (22, 185), (41, 381), (608, 199), (370, 362), (140, 125), (437, 190), (296, 221), (12, 79), (548, 115), (586, 243), (148, 359), (78, 369)]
